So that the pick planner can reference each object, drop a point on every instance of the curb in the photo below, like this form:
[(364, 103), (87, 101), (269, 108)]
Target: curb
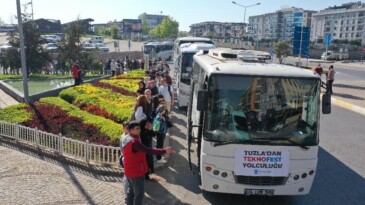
[(348, 106)]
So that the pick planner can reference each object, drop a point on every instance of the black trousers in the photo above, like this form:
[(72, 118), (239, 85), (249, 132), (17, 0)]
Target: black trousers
[(159, 143), (329, 86)]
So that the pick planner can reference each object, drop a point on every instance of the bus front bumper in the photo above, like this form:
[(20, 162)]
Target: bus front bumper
[(291, 186)]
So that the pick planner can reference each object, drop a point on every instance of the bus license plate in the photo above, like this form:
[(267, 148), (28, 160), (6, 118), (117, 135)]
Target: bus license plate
[(263, 192)]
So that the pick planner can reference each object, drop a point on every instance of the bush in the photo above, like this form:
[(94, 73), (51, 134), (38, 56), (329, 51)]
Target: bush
[(105, 126), (114, 103), (17, 113)]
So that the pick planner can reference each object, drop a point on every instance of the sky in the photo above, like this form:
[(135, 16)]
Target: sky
[(186, 12)]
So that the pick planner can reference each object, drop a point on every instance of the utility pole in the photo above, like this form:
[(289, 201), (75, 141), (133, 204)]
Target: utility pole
[(22, 53)]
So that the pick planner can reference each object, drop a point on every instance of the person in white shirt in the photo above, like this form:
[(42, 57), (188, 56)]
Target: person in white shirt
[(167, 93), (140, 108), (113, 67)]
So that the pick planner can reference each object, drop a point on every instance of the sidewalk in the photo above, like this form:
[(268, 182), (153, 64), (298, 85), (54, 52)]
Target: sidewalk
[(6, 100)]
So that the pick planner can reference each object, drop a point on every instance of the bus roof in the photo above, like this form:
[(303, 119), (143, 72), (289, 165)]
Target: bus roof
[(215, 64), (195, 47), (158, 43), (191, 39)]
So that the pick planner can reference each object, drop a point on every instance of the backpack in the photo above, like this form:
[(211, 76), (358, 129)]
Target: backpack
[(159, 125)]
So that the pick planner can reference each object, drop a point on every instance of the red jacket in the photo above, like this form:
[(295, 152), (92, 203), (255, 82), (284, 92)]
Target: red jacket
[(135, 163), (75, 71)]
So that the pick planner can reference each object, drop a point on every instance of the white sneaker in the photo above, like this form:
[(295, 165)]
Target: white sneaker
[(161, 161)]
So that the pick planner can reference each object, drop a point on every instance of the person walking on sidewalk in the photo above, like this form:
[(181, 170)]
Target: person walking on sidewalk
[(330, 79), (135, 163), (76, 73)]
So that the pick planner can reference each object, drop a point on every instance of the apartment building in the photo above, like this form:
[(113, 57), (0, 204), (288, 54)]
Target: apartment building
[(279, 24), (342, 22), (218, 29)]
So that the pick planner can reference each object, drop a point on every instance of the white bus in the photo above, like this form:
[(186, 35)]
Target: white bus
[(256, 124), (158, 50), (188, 39), (184, 69)]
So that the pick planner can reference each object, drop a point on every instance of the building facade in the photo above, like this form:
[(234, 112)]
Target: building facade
[(341, 22), (214, 29), (153, 20), (278, 25), (48, 25)]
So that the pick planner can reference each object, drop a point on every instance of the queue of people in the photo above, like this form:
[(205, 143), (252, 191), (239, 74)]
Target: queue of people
[(150, 118)]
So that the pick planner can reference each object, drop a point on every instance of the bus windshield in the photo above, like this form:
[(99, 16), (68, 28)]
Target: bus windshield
[(264, 110), (147, 49)]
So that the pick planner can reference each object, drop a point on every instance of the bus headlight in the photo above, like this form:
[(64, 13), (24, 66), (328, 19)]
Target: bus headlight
[(224, 174), (215, 172)]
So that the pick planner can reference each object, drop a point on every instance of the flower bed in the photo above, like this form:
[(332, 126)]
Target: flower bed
[(130, 85), (111, 129), (114, 103)]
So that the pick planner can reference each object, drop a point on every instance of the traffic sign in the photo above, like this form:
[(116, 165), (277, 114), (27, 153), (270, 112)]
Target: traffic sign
[(328, 39), (301, 41)]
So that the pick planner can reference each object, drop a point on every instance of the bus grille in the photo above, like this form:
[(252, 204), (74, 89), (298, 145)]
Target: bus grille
[(262, 181)]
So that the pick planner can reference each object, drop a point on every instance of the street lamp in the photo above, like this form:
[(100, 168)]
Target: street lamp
[(244, 18)]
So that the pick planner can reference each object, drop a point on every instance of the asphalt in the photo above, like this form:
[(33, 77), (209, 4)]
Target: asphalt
[(28, 176)]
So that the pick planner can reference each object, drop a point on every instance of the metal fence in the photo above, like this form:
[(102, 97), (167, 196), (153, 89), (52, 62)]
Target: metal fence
[(85, 151)]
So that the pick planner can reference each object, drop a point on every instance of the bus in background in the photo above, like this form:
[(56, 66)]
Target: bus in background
[(256, 124), (158, 50), (189, 39), (184, 69)]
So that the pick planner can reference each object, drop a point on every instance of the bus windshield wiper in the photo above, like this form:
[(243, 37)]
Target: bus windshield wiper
[(282, 138), (219, 143)]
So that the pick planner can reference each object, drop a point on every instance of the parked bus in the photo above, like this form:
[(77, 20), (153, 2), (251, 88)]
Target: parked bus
[(256, 124), (158, 50), (184, 69), (189, 39)]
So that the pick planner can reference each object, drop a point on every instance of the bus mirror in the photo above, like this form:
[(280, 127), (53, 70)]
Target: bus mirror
[(202, 100), (189, 69), (326, 103)]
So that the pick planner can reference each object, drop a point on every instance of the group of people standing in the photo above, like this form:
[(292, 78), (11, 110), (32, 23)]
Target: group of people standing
[(150, 118), (330, 77), (116, 67)]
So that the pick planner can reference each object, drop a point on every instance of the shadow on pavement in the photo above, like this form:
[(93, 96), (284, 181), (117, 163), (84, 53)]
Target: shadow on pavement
[(347, 96), (107, 174)]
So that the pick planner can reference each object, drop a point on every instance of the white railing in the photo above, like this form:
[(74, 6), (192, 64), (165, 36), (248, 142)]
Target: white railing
[(85, 151)]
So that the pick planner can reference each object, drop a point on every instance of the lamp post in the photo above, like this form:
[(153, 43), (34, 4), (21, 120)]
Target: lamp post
[(244, 17), (22, 53)]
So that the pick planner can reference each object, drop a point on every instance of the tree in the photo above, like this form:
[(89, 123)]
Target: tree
[(114, 31), (282, 49), (104, 31), (168, 28), (70, 48), (36, 56), (145, 25)]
